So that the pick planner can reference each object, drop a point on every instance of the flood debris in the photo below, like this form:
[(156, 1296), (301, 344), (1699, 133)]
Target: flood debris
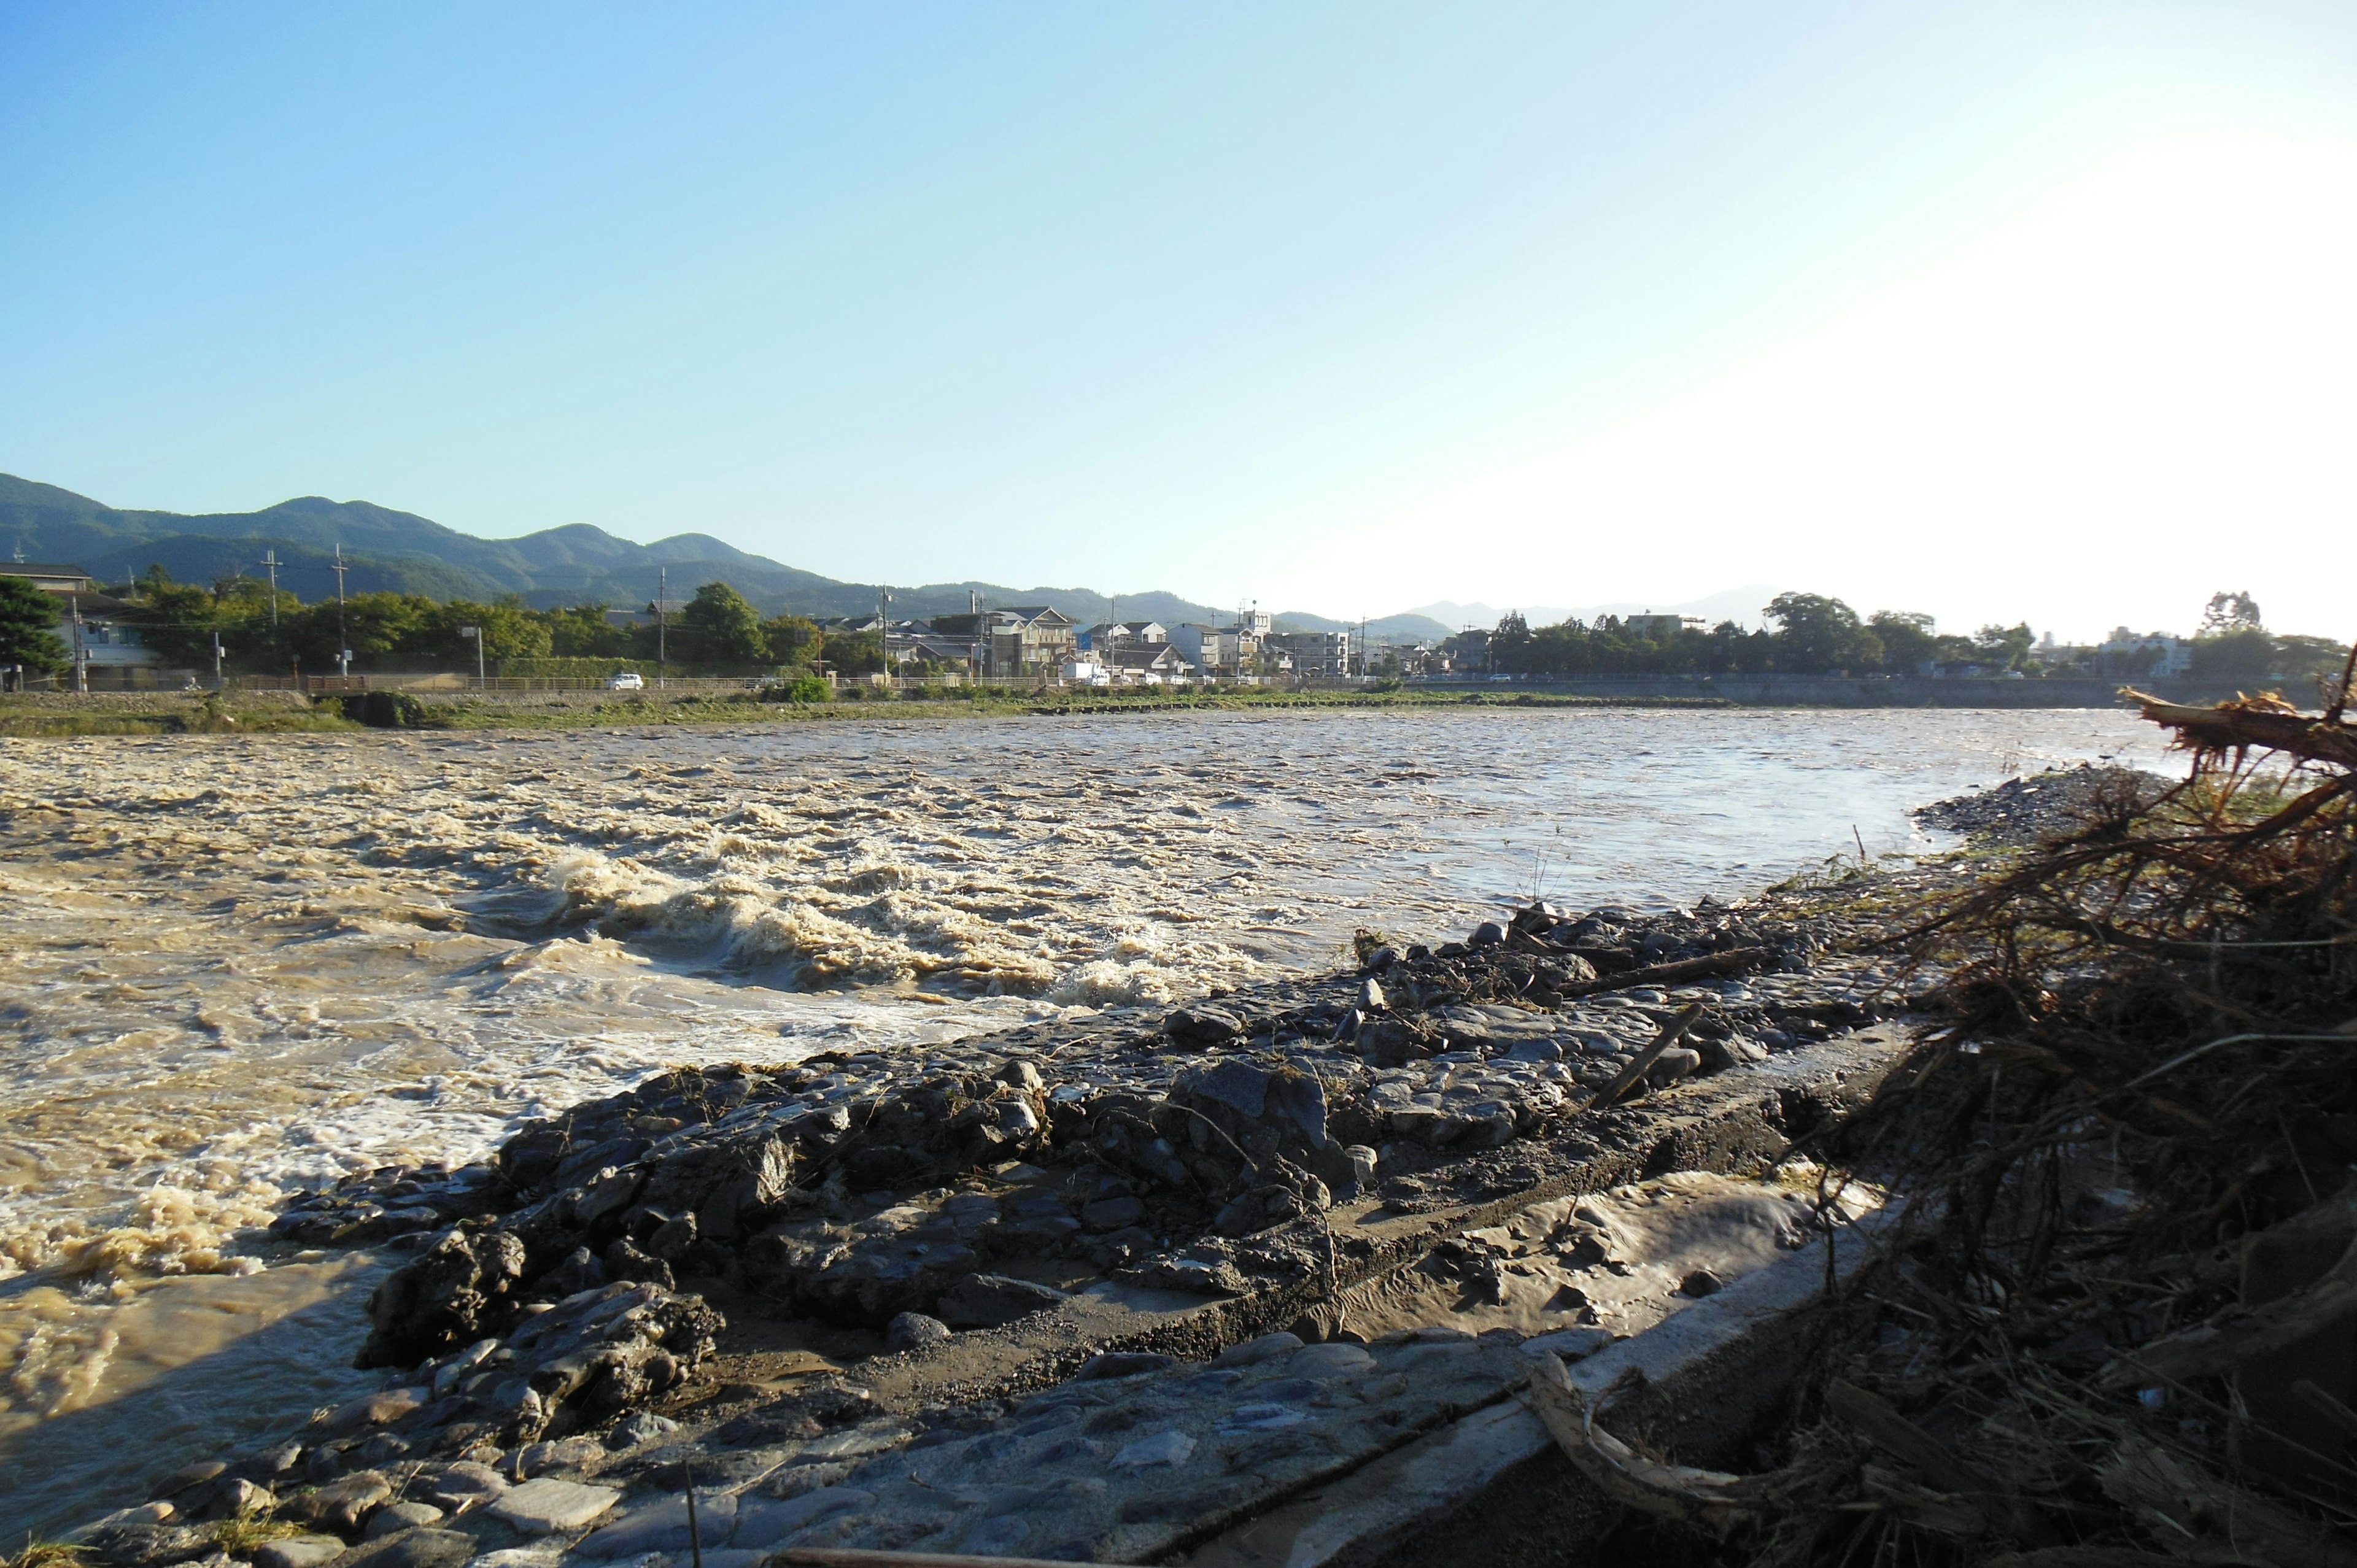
[(2117, 1320)]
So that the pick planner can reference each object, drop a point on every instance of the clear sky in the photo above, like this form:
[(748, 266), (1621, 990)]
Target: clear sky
[(2043, 310)]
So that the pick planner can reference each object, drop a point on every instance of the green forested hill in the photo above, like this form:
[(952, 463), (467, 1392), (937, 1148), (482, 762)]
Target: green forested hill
[(401, 551)]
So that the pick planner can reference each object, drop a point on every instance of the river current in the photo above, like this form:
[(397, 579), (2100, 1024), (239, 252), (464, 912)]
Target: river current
[(237, 967)]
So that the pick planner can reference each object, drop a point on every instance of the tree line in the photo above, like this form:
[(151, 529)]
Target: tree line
[(717, 630), (1811, 634)]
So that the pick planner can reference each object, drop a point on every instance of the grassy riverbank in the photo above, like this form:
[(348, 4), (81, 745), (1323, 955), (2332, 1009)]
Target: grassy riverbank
[(176, 713)]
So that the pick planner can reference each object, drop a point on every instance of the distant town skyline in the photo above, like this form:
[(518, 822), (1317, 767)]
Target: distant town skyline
[(2005, 311)]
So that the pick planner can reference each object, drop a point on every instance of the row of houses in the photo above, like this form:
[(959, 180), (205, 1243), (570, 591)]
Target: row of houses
[(1020, 641), (1040, 641)]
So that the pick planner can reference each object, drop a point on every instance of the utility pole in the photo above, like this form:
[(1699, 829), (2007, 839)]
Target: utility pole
[(662, 626), (477, 633), (81, 647), (343, 637), (217, 662), (270, 559)]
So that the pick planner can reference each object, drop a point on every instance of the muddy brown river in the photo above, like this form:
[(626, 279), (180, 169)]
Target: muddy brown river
[(237, 967)]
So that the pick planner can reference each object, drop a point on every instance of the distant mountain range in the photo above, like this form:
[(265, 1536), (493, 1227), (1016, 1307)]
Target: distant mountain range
[(398, 551)]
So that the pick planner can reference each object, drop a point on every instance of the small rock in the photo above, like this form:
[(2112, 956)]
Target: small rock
[(563, 1453), (1362, 1164), (645, 1427), (661, 1526), (764, 1524), (1701, 1282), (625, 1261), (341, 1505), (914, 1331), (578, 1272), (413, 1548), (671, 1239), (460, 1484), (297, 1551), (275, 1461), (189, 1475), (1268, 1347), (1202, 1026), (1020, 1073), (400, 1516), (540, 1507), (377, 1409), (1333, 1359), (1487, 934), (1112, 1213), (1674, 1064), (989, 1301), (1379, 959), (1371, 996), (238, 1498), (1172, 1448)]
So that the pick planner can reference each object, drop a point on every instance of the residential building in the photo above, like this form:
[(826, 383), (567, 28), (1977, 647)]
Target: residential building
[(1660, 629), (52, 579), (1105, 636), (1022, 639), (2124, 653), (1323, 654), (1146, 666), (102, 634)]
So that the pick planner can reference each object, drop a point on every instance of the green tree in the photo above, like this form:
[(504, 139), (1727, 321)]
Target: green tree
[(582, 631), (2006, 647), (2230, 612), (793, 639), (1815, 635), (377, 628), (1909, 644), (723, 629), (509, 631), (28, 622), (178, 619), (2311, 663), (2244, 655), (856, 653)]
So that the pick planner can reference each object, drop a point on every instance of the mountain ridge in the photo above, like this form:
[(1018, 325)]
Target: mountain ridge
[(384, 549)]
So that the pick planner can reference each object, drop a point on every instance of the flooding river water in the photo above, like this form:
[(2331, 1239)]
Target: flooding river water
[(236, 967)]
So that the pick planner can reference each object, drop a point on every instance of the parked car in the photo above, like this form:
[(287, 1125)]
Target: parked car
[(626, 681)]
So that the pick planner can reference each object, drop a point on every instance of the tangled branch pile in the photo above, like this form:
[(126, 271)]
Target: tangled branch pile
[(2118, 1323)]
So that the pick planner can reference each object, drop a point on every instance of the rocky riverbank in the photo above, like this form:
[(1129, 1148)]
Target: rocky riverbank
[(1082, 1291)]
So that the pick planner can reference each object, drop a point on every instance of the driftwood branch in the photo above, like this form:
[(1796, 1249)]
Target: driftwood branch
[(2198, 1516), (2235, 1336), (1671, 1033), (1731, 961), (1710, 1500), (1977, 1494), (2253, 724)]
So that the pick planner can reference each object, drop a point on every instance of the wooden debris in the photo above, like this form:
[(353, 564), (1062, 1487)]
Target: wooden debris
[(1710, 1500), (1669, 1035)]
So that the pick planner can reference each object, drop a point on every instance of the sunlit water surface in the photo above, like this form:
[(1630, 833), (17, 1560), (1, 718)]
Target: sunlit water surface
[(240, 966)]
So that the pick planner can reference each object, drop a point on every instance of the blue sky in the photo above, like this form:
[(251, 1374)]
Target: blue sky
[(1336, 307)]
